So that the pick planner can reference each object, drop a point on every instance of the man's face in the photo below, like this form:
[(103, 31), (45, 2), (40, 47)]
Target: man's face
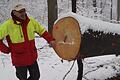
[(21, 14)]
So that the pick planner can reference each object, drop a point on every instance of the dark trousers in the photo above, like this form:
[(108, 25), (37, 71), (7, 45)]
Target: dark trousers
[(21, 72), (80, 69)]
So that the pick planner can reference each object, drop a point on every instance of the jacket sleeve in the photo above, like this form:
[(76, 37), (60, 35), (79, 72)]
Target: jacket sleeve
[(43, 32), (4, 48), (38, 27), (3, 30), (47, 36), (3, 33)]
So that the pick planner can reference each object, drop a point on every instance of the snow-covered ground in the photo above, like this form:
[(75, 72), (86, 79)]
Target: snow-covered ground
[(51, 67)]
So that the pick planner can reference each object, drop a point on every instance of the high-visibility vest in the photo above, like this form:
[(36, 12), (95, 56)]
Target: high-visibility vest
[(15, 31)]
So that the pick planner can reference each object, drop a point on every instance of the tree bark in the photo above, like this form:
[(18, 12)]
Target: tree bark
[(95, 5), (111, 11), (52, 13), (118, 10), (74, 6)]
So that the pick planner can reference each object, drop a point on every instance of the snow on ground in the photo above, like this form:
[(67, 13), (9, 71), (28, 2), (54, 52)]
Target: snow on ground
[(51, 67)]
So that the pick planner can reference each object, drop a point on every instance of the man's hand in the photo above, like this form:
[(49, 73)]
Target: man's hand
[(53, 44), (4, 48)]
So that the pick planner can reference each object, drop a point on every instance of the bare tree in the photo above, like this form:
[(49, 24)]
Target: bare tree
[(74, 6), (111, 11), (95, 5), (52, 13), (118, 10), (101, 5)]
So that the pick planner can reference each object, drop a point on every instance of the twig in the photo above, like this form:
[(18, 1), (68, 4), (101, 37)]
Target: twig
[(42, 47), (69, 70)]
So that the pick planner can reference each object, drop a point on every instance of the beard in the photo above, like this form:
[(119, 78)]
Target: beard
[(22, 17)]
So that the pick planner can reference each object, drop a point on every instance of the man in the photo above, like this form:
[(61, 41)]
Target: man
[(19, 32)]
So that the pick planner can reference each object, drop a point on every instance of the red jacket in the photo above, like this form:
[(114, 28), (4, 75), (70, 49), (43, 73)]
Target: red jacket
[(25, 53)]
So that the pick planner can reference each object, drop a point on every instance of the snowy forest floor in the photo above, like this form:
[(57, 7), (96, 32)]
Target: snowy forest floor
[(51, 67)]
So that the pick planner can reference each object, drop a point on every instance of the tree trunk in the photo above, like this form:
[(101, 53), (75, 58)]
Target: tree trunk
[(118, 10), (95, 5), (74, 6), (101, 6), (111, 11), (52, 13)]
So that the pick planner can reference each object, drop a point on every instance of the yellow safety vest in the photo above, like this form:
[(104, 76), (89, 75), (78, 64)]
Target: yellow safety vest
[(15, 31)]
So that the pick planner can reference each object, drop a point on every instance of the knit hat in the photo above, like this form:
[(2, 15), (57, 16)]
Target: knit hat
[(18, 7)]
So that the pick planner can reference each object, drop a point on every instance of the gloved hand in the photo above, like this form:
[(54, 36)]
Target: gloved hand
[(4, 48), (53, 43)]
